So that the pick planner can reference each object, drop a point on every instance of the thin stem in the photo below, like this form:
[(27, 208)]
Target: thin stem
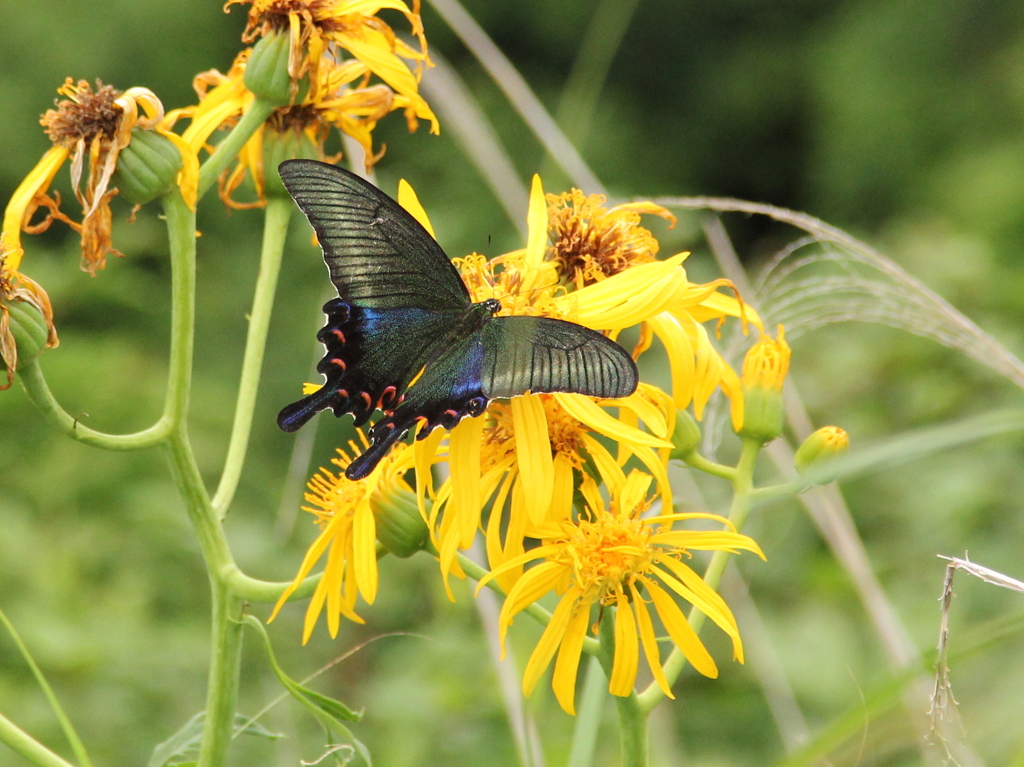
[(743, 484), (697, 461), (275, 229), (31, 377), (255, 590), (477, 573), (23, 744), (58, 711), (231, 145), (181, 233), (632, 713)]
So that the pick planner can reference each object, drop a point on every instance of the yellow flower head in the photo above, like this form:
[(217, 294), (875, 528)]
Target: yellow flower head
[(766, 363), (590, 243), (317, 27), (344, 512), (615, 558)]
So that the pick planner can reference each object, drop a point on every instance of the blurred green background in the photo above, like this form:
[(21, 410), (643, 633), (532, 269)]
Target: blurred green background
[(901, 121)]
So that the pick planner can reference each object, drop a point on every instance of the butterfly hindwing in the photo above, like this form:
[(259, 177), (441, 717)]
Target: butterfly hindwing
[(379, 256), (540, 354)]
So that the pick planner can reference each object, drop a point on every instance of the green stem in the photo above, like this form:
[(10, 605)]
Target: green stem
[(31, 377), (743, 484), (181, 234), (633, 734), (697, 461), (542, 616), (275, 229), (23, 744), (588, 716), (761, 495), (232, 144), (255, 590), (58, 711)]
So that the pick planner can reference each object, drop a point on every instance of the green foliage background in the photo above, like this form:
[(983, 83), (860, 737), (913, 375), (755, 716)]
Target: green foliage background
[(900, 121)]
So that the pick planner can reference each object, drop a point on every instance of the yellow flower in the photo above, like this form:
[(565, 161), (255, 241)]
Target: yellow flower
[(764, 374), (767, 362), (616, 558), (344, 510), (315, 26), (590, 243)]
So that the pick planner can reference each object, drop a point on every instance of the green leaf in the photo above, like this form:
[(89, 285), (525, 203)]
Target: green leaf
[(187, 740), (332, 714)]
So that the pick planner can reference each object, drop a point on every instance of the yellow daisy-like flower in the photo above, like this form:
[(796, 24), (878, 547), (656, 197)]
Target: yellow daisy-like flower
[(344, 510), (616, 558), (314, 26)]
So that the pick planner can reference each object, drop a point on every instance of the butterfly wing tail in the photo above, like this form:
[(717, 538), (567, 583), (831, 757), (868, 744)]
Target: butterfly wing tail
[(294, 416)]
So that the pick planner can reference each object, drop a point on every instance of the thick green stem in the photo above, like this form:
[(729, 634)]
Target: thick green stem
[(743, 483), (697, 461), (275, 229), (255, 590), (231, 145), (23, 744), (632, 714)]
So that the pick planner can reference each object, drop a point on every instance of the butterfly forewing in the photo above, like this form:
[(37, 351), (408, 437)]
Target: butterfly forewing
[(378, 255), (539, 354)]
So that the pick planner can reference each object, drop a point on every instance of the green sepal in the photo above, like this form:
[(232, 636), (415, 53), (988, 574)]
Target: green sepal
[(685, 437), (762, 414), (29, 328), (266, 71), (147, 167), (400, 528)]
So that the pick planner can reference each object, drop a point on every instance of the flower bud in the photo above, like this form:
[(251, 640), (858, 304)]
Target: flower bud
[(24, 333), (824, 445), (147, 167), (764, 374), (400, 528), (266, 72), (685, 437)]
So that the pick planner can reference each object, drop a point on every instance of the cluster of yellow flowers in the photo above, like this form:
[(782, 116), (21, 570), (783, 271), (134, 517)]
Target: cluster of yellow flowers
[(571, 494)]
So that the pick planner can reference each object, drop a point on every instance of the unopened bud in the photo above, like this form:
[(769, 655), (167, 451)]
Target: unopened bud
[(266, 71), (147, 167), (823, 446), (400, 528), (686, 436)]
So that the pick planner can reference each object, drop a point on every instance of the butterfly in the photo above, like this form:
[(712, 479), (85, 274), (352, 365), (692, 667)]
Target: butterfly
[(404, 337)]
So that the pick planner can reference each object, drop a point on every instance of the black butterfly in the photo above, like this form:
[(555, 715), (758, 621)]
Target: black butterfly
[(403, 308)]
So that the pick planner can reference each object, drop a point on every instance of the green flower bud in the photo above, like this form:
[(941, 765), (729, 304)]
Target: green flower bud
[(824, 445), (28, 328), (147, 167), (762, 414), (266, 71), (686, 436), (400, 528), (278, 147)]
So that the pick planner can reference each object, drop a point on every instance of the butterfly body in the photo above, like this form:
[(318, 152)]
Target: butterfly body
[(404, 337)]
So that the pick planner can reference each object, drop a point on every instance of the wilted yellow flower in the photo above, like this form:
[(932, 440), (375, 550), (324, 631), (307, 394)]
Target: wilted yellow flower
[(314, 26), (91, 127), (344, 512), (616, 558)]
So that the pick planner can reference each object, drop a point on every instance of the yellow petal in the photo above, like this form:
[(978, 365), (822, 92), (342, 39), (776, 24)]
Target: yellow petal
[(693, 589), (467, 487), (627, 653), (649, 641), (549, 641), (680, 630), (407, 199), (563, 680), (533, 452), (610, 471), (36, 182), (364, 550), (588, 412), (535, 583), (537, 226)]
